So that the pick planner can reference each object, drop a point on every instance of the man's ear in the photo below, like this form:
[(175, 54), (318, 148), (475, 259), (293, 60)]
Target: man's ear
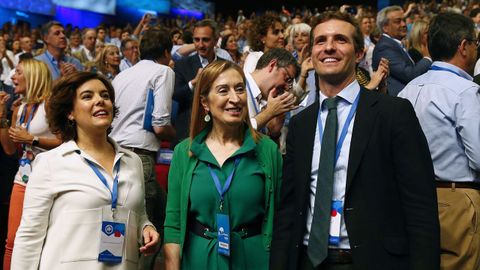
[(462, 48), (359, 56), (271, 65)]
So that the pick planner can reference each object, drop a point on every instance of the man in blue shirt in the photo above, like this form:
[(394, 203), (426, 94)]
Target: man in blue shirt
[(447, 104), (54, 56)]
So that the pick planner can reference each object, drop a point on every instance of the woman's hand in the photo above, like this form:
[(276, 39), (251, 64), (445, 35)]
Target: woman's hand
[(20, 135), (151, 239), (379, 76)]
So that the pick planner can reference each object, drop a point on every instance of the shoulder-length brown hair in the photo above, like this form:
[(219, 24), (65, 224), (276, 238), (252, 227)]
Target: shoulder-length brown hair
[(62, 100), (203, 87)]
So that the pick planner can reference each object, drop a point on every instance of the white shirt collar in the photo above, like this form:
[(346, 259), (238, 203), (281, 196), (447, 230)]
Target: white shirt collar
[(204, 61), (348, 94)]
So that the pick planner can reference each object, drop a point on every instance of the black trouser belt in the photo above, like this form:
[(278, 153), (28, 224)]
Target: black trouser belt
[(141, 151), (339, 256), (334, 256), (449, 184), (244, 231)]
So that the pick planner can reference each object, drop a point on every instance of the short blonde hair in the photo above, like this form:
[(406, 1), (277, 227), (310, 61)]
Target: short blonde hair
[(418, 29), (38, 80)]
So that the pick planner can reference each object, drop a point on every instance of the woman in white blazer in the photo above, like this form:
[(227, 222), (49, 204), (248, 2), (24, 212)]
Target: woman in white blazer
[(84, 205)]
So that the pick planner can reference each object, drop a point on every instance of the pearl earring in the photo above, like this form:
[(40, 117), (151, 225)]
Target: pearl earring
[(207, 117)]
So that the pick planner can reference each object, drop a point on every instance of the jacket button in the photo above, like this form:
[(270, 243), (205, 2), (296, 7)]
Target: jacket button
[(296, 246), (300, 213)]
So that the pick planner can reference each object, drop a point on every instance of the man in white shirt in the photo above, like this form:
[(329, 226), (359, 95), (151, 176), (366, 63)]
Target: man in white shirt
[(130, 53), (86, 55), (143, 94), (268, 90), (26, 46)]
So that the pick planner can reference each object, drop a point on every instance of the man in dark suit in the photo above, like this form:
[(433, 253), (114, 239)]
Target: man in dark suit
[(391, 22), (367, 201), (188, 69)]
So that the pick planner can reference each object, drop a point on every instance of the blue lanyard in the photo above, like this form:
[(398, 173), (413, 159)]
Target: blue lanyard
[(24, 113), (114, 191), (252, 98), (228, 182), (263, 130), (448, 70), (343, 135)]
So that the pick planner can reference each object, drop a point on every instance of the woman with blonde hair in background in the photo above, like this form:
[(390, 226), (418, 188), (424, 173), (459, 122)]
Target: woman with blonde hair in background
[(108, 61), (418, 40), (29, 130)]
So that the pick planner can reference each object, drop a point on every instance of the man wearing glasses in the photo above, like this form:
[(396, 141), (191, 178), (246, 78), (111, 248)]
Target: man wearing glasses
[(447, 104), (268, 89), (391, 22), (130, 53)]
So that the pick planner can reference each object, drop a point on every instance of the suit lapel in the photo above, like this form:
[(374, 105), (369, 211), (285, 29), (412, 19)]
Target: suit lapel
[(364, 119), (305, 142)]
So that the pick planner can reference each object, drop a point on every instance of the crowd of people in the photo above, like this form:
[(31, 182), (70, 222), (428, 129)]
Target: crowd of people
[(332, 140)]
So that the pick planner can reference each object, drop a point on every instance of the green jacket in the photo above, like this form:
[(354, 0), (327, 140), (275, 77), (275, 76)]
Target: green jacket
[(180, 179)]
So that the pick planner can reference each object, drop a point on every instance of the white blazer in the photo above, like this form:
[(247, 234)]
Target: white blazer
[(62, 211)]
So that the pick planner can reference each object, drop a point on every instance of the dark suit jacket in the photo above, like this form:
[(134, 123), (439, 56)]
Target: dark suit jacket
[(402, 69), (185, 70), (390, 199)]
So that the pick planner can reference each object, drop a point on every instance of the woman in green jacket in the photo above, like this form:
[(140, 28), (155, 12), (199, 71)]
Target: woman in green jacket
[(224, 181)]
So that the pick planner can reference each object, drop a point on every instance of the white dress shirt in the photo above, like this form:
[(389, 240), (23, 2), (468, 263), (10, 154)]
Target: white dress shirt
[(254, 99), (63, 211), (131, 91), (251, 61), (348, 96), (447, 104)]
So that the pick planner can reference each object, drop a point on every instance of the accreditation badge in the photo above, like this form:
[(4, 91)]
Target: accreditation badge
[(112, 236), (25, 164), (335, 223), (223, 226)]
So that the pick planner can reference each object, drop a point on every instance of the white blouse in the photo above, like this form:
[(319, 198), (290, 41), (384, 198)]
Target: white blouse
[(62, 212)]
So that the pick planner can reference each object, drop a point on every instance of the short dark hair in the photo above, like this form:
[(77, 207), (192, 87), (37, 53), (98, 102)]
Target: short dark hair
[(446, 32), (358, 42), (208, 23), (62, 100), (154, 43), (187, 37), (46, 27), (284, 59)]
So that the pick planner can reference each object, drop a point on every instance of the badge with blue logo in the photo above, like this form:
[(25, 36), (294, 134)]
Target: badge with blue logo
[(335, 222), (223, 226), (111, 242)]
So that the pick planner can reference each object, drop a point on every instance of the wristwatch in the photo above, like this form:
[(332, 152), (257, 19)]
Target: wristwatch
[(4, 123), (35, 141)]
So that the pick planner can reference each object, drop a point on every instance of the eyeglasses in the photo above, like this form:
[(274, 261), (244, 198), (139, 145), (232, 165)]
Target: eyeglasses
[(288, 79), (475, 41)]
